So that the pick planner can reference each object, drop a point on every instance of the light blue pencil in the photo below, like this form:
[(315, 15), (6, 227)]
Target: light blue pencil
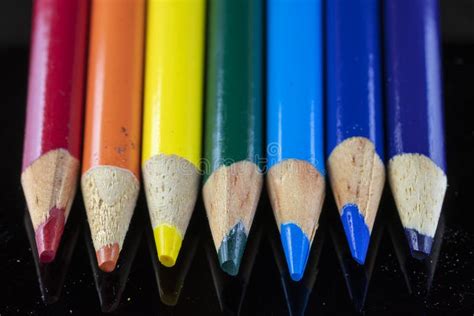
[(295, 125)]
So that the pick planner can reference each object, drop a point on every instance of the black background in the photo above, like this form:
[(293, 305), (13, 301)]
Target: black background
[(390, 283)]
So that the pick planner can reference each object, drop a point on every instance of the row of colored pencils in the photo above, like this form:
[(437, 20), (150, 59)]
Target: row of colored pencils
[(168, 38)]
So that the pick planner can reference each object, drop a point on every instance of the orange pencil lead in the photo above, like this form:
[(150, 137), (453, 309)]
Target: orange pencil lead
[(107, 257)]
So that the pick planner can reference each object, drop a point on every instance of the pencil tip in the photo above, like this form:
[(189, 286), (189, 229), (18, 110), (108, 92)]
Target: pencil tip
[(48, 235), (107, 257), (168, 242), (420, 245), (296, 247), (357, 232), (232, 249)]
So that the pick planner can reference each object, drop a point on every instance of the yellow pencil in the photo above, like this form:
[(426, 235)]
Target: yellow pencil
[(172, 118)]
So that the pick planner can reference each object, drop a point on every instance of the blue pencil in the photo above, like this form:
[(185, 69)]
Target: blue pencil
[(295, 179), (354, 118), (417, 166)]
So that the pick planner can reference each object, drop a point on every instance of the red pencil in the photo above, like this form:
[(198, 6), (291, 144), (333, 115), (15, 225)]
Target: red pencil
[(54, 117)]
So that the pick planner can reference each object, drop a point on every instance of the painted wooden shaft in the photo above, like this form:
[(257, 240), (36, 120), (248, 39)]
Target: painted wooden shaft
[(172, 118), (233, 131), (295, 148), (53, 133), (354, 116), (111, 159), (415, 124), (234, 83)]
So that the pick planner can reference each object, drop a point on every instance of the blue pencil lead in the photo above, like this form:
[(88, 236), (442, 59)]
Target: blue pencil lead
[(357, 232), (296, 247)]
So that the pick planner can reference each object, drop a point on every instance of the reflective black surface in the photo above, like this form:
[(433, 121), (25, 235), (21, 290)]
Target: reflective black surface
[(390, 283)]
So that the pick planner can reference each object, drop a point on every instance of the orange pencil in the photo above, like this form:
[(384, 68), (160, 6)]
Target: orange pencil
[(110, 170)]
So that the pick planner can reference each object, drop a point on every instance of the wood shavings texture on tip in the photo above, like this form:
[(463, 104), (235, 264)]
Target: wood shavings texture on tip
[(296, 191), (418, 186), (231, 195), (50, 181), (357, 176), (110, 194), (171, 187)]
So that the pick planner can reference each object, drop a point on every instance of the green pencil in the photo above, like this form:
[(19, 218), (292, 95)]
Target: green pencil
[(233, 131)]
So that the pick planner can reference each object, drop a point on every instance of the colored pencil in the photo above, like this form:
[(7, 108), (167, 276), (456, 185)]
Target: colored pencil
[(233, 131), (53, 132), (172, 131), (111, 160), (354, 118), (295, 149), (417, 166)]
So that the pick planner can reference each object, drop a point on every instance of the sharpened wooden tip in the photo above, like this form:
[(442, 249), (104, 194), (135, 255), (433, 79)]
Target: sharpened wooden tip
[(418, 186), (296, 191), (110, 194), (50, 182), (357, 177), (231, 196), (171, 187)]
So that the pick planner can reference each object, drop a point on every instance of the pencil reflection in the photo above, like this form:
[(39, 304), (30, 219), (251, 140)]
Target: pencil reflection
[(418, 274), (51, 275), (170, 281), (231, 290), (110, 286), (297, 293), (357, 277)]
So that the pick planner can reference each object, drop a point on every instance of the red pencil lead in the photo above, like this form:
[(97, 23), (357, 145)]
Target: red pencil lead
[(48, 235)]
